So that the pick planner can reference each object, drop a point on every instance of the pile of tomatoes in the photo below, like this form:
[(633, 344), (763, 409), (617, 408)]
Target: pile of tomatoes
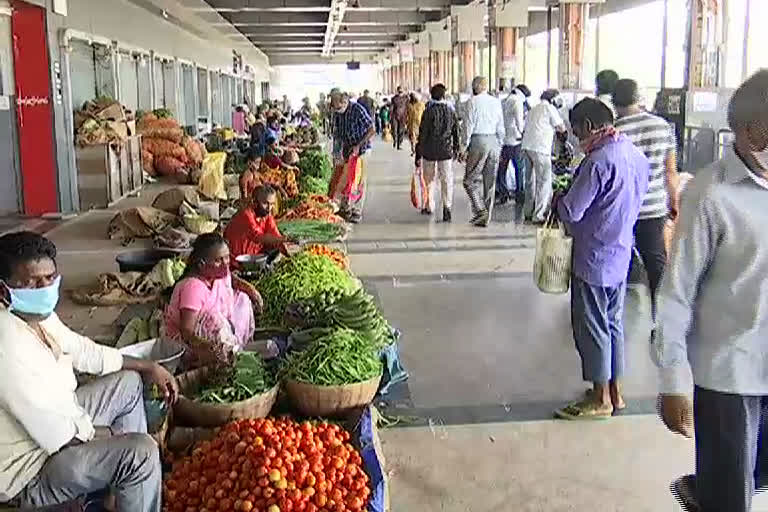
[(270, 465)]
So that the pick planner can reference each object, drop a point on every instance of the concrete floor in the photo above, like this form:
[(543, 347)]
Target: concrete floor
[(489, 358)]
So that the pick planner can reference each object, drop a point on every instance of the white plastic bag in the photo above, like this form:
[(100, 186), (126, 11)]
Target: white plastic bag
[(552, 263)]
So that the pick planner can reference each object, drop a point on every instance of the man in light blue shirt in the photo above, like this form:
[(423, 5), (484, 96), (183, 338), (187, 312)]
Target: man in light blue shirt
[(713, 313)]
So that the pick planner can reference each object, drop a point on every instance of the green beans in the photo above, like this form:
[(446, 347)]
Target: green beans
[(299, 277), (248, 378), (308, 230), (340, 357)]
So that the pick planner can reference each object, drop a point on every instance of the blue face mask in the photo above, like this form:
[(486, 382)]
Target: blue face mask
[(35, 301)]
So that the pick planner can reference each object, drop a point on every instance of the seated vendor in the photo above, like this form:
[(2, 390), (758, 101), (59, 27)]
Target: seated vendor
[(249, 179), (211, 311), (254, 230), (59, 441), (273, 157)]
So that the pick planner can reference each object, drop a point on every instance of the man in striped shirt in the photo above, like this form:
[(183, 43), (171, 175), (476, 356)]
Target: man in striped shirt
[(655, 138)]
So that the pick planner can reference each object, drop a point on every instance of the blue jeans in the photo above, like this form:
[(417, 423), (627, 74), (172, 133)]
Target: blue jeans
[(598, 329), (514, 155)]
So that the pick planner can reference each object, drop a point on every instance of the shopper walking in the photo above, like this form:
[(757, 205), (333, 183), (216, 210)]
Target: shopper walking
[(606, 83), (352, 133), (655, 138), (398, 116), (713, 316), (513, 107), (600, 210), (543, 121), (484, 135), (437, 145), (413, 120)]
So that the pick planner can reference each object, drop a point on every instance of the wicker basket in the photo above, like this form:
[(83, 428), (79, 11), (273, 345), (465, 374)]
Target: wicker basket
[(314, 400), (191, 413)]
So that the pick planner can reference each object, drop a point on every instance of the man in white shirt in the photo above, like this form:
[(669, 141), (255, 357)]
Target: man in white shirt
[(60, 442), (543, 121), (514, 124), (484, 135), (713, 314)]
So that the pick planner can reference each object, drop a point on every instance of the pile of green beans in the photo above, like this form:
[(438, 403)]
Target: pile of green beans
[(296, 278), (338, 358), (309, 230)]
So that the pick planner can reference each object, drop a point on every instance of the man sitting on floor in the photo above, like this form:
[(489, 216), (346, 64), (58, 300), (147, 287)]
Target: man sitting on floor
[(60, 442), (254, 230)]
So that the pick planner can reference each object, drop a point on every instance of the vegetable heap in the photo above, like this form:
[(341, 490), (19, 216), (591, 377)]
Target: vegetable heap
[(337, 256), (248, 378), (316, 171), (270, 465), (355, 310), (296, 278), (337, 357), (307, 230), (562, 183)]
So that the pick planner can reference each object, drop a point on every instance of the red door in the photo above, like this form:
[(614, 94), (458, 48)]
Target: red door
[(34, 109)]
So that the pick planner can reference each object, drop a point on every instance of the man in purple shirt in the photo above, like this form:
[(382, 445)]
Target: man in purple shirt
[(600, 211)]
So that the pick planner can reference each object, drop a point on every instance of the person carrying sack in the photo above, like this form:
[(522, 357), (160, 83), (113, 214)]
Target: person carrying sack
[(353, 132)]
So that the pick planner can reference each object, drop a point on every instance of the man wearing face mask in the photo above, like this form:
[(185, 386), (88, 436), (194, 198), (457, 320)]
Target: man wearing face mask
[(713, 314), (60, 442), (352, 136), (253, 229), (600, 210)]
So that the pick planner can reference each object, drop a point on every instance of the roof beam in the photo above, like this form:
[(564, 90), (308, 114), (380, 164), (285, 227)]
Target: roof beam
[(318, 31), (352, 17), (335, 15), (289, 6)]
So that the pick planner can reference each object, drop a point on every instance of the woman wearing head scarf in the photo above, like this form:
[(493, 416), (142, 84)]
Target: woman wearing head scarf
[(413, 119)]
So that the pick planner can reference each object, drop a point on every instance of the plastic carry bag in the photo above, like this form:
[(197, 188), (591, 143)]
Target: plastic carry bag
[(419, 191), (353, 171), (552, 262), (212, 178)]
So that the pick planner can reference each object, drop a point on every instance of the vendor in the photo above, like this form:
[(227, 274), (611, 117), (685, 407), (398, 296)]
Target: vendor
[(211, 311), (249, 180), (60, 441), (273, 156), (254, 230)]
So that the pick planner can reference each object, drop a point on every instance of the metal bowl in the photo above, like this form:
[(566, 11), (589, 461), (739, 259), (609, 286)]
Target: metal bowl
[(165, 352), (252, 262)]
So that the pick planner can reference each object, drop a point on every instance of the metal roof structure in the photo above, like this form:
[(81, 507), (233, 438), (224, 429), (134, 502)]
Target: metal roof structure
[(313, 31)]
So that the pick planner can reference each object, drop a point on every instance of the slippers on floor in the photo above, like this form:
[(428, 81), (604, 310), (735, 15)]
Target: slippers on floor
[(684, 491), (585, 410)]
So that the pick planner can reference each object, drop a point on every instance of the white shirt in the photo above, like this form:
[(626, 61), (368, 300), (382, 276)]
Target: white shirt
[(484, 117), (543, 120), (608, 101), (514, 117), (713, 309), (39, 411)]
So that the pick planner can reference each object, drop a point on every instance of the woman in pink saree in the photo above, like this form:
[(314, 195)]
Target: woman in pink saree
[(211, 311)]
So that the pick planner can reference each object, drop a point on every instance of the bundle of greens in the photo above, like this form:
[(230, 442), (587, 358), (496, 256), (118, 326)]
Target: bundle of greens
[(299, 277), (248, 378), (307, 230), (341, 357), (316, 164), (562, 183)]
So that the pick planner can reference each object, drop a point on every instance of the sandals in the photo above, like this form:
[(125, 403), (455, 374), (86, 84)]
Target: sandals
[(588, 394), (585, 410)]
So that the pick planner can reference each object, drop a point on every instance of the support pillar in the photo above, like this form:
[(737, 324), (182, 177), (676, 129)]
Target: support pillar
[(707, 36), (466, 65), (573, 26), (506, 56)]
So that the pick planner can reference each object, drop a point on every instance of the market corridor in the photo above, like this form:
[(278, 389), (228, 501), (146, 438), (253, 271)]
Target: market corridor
[(489, 359)]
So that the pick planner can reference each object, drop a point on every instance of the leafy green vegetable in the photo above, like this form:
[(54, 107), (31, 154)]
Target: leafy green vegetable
[(312, 185), (562, 183), (248, 378), (316, 164), (342, 356), (299, 277), (162, 113)]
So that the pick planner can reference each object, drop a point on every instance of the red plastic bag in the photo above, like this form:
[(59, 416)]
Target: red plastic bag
[(419, 190)]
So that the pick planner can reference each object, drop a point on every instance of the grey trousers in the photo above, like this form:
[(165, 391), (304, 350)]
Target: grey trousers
[(538, 186), (729, 451), (482, 164), (128, 462)]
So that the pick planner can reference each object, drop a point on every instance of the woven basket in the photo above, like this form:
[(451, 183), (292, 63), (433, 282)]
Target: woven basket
[(191, 413), (314, 400)]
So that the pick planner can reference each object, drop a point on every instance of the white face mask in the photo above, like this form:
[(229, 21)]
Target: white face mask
[(343, 109)]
